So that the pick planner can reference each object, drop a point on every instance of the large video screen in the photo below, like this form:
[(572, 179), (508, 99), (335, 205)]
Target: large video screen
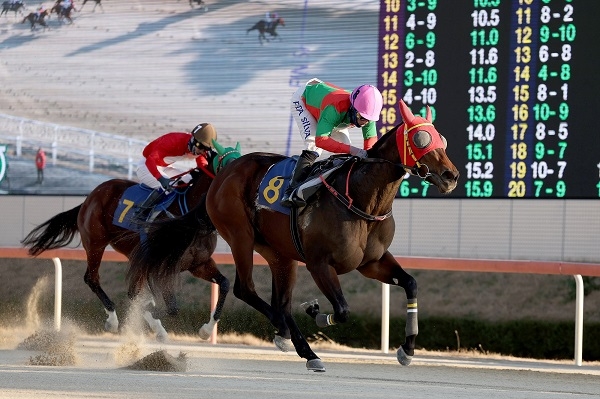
[(513, 84)]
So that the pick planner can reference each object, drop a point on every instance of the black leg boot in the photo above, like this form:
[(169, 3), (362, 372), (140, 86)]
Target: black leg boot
[(146, 207), (302, 168)]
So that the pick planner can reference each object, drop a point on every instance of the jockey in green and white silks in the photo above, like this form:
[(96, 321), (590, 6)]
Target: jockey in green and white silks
[(323, 113)]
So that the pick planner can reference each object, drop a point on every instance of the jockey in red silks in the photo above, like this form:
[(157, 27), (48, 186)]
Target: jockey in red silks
[(174, 155)]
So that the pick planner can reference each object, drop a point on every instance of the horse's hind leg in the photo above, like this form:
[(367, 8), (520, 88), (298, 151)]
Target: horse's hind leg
[(388, 271), (243, 288), (284, 276), (329, 284), (208, 271)]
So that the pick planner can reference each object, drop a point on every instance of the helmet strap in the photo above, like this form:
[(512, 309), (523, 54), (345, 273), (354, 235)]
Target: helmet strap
[(352, 111)]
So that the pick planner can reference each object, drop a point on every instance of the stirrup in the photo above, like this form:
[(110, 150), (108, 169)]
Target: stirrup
[(291, 200), (286, 200)]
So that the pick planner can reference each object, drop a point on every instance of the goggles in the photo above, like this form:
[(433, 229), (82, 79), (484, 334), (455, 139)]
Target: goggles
[(361, 120), (196, 146)]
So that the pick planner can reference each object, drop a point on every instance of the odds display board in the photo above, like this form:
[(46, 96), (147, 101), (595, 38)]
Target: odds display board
[(514, 86)]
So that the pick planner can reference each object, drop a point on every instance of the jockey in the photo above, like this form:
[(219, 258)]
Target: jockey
[(270, 17), (39, 11), (174, 155), (323, 111)]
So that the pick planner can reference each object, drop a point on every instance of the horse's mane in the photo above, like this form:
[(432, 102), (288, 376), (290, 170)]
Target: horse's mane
[(383, 139)]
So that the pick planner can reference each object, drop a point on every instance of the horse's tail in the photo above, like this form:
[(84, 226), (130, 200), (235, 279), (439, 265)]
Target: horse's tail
[(156, 259), (56, 232), (254, 27), (24, 19)]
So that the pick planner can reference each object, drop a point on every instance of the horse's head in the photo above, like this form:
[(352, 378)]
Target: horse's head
[(280, 21), (225, 155), (421, 150)]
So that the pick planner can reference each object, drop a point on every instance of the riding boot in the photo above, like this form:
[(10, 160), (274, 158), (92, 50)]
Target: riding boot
[(305, 161), (146, 207)]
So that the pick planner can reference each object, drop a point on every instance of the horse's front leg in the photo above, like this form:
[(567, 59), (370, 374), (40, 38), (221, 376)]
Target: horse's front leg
[(388, 271), (92, 279), (208, 271)]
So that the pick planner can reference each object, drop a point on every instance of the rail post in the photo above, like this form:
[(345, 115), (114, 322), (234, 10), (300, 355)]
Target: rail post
[(578, 319), (57, 293), (385, 317)]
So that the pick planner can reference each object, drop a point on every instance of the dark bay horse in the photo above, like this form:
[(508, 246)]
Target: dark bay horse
[(15, 6), (97, 3), (265, 27), (63, 12), (200, 3), (94, 221), (346, 225), (35, 19)]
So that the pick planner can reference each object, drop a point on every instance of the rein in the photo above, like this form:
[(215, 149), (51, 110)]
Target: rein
[(347, 200), (222, 158)]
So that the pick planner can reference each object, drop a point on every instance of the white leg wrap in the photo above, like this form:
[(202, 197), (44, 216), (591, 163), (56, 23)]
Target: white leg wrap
[(412, 323), (324, 320), (112, 322), (156, 326), (207, 329)]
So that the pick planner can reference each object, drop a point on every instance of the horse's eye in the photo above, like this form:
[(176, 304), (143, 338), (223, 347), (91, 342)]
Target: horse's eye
[(421, 139), (444, 141)]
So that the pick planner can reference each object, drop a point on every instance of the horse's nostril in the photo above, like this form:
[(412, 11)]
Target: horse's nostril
[(449, 175)]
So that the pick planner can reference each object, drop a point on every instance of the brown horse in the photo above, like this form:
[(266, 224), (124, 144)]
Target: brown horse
[(16, 6), (265, 27), (346, 225), (98, 3), (37, 19), (63, 12), (95, 219), (200, 3)]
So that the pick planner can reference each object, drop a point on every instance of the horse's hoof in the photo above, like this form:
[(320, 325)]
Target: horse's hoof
[(284, 344), (111, 324), (162, 336), (205, 332), (403, 358), (111, 328), (315, 365)]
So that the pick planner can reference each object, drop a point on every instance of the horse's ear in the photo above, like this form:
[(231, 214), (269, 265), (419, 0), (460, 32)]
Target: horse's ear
[(218, 147), (238, 147), (428, 117), (407, 115)]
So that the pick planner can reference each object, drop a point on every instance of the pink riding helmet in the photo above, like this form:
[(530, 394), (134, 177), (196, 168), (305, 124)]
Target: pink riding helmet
[(367, 100)]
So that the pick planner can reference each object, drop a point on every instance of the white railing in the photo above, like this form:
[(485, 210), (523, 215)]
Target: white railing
[(411, 262), (72, 145)]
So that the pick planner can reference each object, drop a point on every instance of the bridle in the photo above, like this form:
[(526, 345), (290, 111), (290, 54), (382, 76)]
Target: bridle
[(431, 139), (221, 158)]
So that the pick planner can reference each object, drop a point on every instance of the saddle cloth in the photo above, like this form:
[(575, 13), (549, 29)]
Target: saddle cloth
[(277, 179), (130, 202)]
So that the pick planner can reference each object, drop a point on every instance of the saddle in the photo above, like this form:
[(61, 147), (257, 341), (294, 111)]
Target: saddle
[(277, 179), (319, 171)]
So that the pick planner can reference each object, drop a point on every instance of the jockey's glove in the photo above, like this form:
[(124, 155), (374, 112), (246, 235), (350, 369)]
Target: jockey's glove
[(165, 182), (358, 152)]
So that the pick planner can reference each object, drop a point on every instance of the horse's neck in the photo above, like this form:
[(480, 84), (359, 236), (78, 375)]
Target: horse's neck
[(372, 186)]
